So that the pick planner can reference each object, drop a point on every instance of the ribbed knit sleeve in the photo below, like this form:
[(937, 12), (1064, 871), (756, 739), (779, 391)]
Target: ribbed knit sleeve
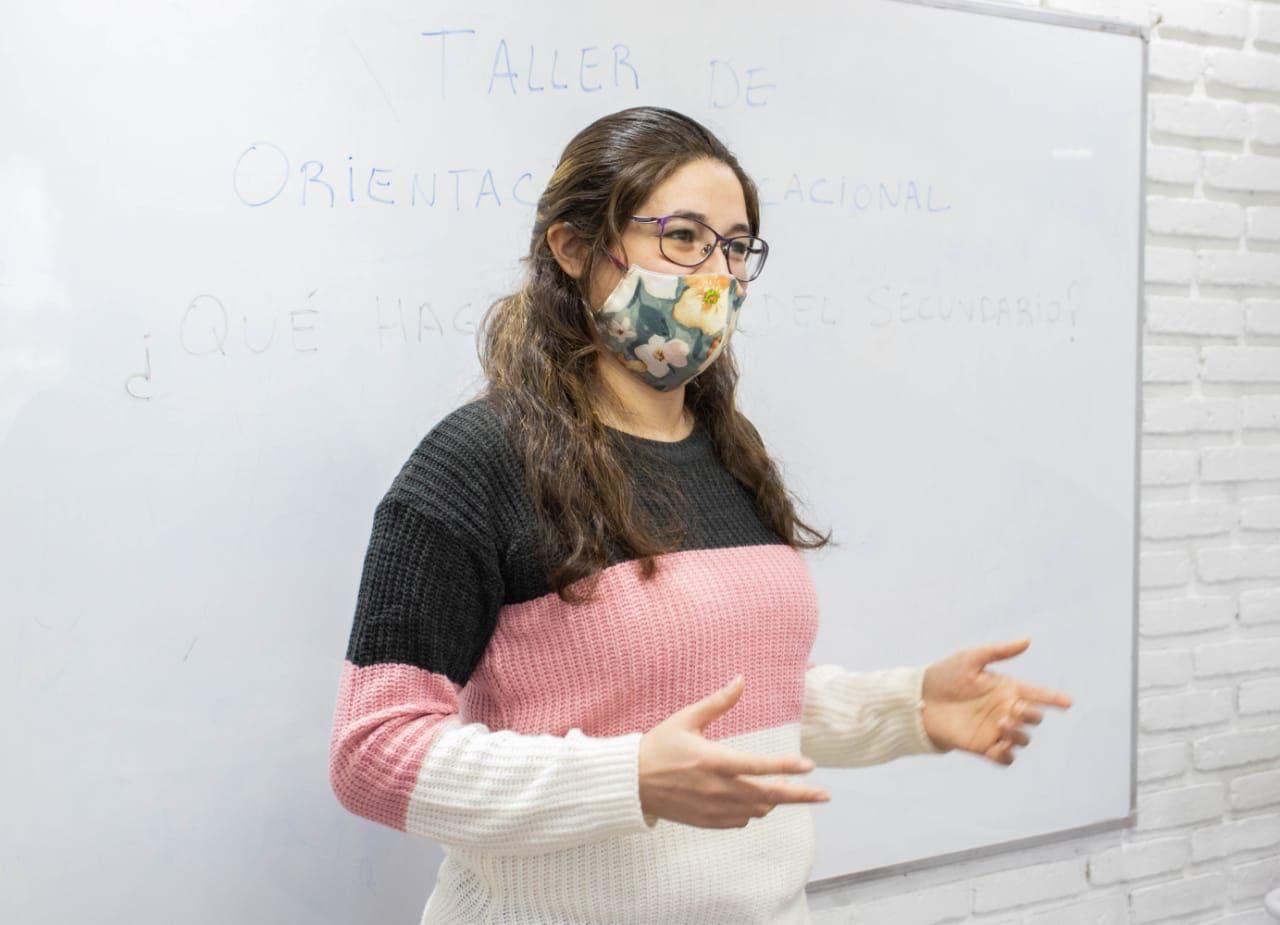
[(853, 719), (401, 755)]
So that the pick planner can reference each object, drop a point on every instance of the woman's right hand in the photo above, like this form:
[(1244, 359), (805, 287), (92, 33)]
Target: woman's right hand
[(689, 779)]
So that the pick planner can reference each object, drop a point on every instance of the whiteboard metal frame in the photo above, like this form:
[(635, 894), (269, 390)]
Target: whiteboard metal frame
[(1078, 21)]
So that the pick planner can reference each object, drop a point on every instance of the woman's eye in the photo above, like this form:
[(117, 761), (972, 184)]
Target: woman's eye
[(682, 234)]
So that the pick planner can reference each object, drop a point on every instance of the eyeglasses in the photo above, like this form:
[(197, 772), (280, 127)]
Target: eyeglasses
[(689, 242)]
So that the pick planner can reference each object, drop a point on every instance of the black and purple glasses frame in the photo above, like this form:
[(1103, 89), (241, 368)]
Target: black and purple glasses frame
[(722, 242)]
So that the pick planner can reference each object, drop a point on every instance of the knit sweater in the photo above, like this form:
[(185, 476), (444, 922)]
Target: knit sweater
[(479, 710)]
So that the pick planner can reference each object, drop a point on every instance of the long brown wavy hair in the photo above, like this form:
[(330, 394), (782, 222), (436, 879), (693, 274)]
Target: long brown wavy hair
[(538, 353)]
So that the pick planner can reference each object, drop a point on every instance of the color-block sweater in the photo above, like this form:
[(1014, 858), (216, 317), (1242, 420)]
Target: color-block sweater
[(477, 709)]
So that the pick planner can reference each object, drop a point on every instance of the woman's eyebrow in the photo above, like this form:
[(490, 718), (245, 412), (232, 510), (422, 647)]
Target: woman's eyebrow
[(689, 213)]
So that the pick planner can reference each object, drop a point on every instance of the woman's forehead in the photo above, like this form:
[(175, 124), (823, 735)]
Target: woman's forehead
[(708, 190)]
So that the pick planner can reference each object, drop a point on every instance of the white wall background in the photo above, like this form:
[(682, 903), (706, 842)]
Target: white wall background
[(1206, 847)]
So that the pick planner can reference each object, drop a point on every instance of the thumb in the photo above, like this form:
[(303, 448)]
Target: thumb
[(1000, 650), (702, 712)]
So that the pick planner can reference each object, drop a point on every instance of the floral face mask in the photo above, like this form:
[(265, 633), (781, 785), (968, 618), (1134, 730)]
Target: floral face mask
[(666, 328)]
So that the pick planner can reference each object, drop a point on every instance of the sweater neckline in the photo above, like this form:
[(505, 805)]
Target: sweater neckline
[(686, 448)]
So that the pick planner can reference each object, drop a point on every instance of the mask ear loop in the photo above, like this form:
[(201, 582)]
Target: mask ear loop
[(616, 262)]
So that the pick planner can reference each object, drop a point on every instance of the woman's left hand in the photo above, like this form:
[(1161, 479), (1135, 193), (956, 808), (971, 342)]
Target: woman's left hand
[(980, 711)]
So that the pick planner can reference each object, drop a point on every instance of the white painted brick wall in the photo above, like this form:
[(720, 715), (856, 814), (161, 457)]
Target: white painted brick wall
[(1206, 845), (1138, 860)]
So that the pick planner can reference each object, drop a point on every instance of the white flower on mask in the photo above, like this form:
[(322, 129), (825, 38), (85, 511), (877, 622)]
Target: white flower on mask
[(661, 353), (621, 328), (705, 304)]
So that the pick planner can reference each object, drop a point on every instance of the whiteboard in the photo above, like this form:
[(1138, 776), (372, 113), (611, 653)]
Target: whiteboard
[(243, 251)]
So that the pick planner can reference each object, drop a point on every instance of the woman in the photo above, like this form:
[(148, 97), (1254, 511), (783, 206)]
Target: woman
[(566, 570)]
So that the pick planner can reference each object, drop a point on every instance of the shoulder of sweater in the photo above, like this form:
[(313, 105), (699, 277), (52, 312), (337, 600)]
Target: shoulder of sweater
[(462, 472)]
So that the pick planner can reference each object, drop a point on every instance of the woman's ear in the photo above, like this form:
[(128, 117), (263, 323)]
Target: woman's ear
[(568, 247)]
